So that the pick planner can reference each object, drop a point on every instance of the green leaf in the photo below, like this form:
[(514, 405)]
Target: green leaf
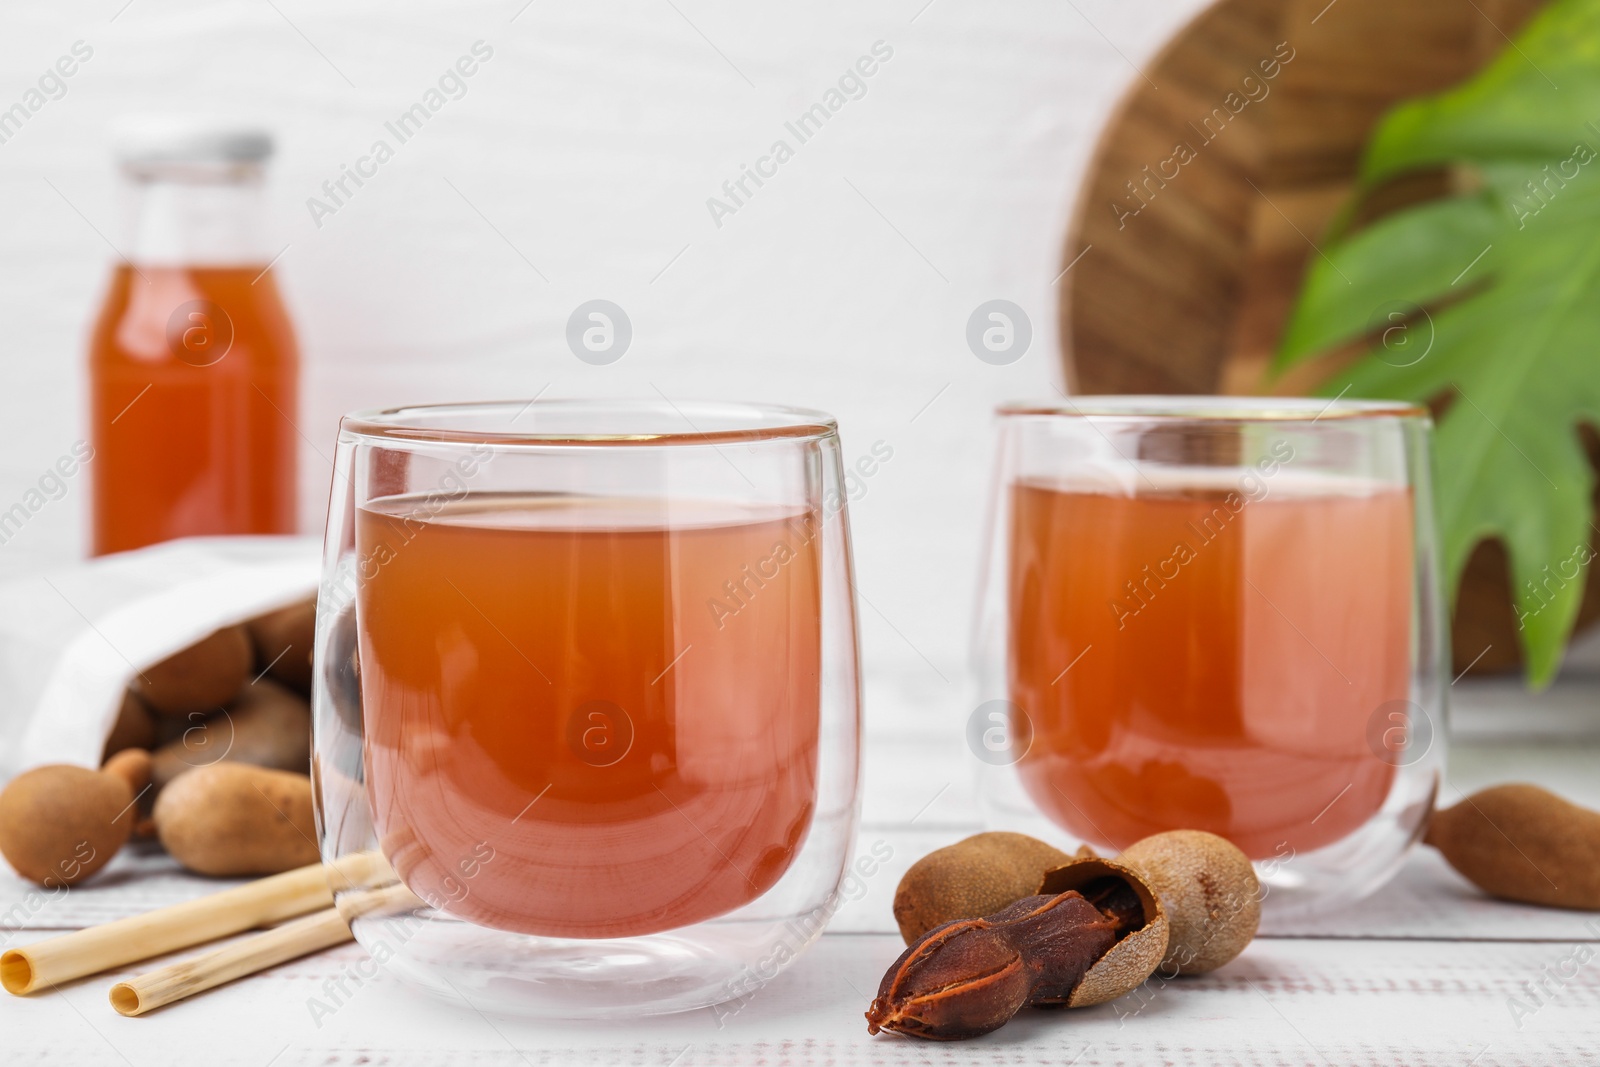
[(1531, 103), (1492, 298)]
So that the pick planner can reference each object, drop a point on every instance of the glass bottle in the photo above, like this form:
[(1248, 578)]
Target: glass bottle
[(193, 366)]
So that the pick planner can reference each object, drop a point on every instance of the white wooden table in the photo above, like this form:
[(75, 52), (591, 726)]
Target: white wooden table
[(1424, 973)]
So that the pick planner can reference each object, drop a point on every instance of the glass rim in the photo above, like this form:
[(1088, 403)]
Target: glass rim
[(1151, 407), (707, 422)]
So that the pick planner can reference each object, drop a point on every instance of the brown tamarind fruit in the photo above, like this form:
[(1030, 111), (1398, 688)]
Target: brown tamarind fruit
[(60, 823), (202, 677), (1520, 842)]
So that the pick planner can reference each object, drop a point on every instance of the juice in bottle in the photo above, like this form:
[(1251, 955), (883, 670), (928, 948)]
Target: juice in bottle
[(572, 728), (1191, 659), (193, 367)]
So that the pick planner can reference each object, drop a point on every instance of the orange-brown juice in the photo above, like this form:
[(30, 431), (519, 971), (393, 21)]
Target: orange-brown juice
[(1189, 658), (193, 374), (589, 717)]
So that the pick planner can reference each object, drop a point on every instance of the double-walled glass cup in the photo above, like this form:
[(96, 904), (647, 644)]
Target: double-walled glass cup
[(587, 703), (1219, 614)]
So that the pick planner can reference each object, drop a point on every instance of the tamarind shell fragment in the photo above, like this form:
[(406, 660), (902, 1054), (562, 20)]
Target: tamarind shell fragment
[(1520, 842), (1122, 893)]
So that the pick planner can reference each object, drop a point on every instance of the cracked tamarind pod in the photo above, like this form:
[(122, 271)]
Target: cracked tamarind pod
[(1092, 942), (1209, 891)]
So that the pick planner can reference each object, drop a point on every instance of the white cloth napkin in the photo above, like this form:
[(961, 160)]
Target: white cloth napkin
[(72, 639)]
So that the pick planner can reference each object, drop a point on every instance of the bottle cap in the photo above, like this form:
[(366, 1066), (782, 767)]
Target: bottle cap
[(166, 141)]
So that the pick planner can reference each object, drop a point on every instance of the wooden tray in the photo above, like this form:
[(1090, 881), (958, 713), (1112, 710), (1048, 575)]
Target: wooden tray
[(1200, 210)]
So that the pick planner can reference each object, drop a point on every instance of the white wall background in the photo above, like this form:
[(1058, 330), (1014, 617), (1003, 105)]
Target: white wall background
[(591, 141)]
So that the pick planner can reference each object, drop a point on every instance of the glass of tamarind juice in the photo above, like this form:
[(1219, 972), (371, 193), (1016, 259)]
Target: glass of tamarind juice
[(587, 712), (1219, 614)]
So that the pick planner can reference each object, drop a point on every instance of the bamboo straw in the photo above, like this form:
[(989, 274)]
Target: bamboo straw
[(176, 981), (147, 992), (139, 937)]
